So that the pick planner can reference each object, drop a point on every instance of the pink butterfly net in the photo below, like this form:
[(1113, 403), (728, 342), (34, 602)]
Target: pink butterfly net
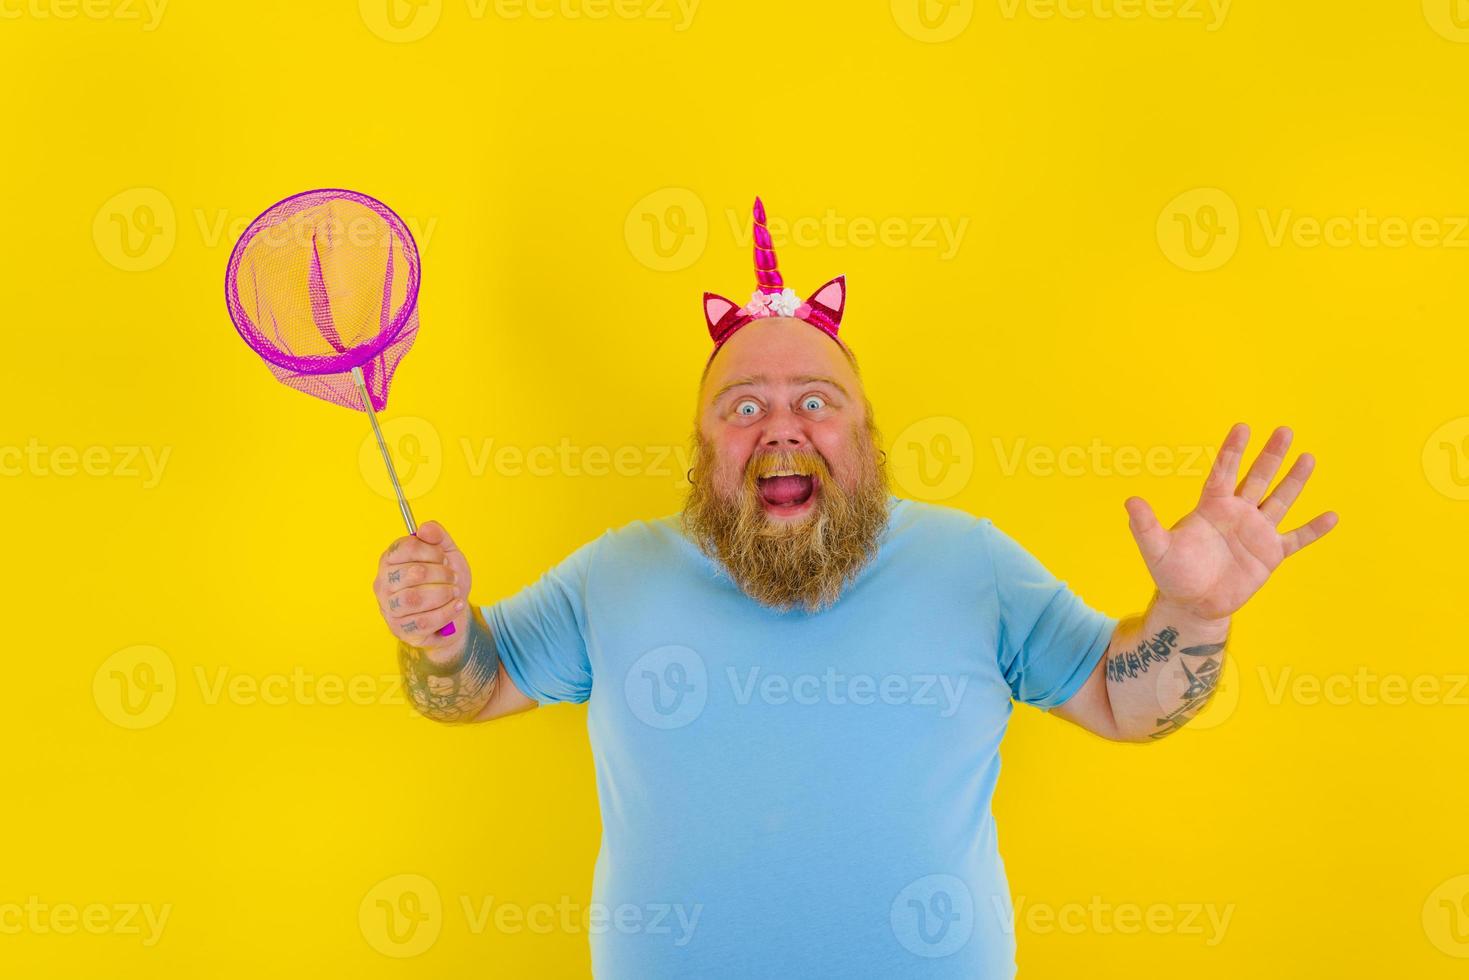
[(324, 287), (324, 282)]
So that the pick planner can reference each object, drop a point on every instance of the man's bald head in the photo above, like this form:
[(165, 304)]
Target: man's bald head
[(782, 340)]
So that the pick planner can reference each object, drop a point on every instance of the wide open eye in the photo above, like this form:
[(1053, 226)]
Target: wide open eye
[(813, 403), (747, 407)]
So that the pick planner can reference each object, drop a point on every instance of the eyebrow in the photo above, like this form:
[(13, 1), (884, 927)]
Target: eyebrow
[(764, 379)]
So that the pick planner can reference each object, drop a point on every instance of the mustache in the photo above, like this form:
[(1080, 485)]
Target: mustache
[(805, 462)]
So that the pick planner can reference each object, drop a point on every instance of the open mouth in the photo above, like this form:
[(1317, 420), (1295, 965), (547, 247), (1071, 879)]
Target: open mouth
[(786, 492)]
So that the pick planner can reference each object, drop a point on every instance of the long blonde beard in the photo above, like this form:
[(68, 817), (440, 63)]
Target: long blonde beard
[(786, 565)]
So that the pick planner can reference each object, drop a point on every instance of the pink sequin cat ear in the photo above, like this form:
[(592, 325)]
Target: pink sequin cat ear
[(830, 301), (721, 314)]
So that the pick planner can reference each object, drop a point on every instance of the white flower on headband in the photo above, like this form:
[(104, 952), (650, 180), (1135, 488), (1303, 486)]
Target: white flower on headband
[(785, 303)]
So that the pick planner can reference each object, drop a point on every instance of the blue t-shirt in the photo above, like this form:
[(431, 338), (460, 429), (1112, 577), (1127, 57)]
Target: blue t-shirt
[(798, 795)]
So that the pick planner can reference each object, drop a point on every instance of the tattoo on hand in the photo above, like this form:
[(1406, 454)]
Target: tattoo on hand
[(1128, 664), (454, 693)]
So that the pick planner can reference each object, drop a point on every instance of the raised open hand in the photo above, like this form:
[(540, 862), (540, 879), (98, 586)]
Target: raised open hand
[(1222, 551)]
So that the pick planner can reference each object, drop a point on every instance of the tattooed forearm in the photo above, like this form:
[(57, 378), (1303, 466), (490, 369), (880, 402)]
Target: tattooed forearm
[(1161, 669), (455, 692), (1127, 664), (1203, 678)]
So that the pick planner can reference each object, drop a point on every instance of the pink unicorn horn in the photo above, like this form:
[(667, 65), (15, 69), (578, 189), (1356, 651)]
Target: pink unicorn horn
[(767, 273)]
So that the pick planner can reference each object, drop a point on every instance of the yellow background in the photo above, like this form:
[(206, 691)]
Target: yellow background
[(536, 156)]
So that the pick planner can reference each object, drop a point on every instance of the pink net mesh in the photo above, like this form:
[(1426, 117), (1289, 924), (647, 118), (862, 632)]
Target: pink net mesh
[(321, 283)]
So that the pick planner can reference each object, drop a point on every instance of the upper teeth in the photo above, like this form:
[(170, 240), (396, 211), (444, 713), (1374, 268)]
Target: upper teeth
[(785, 473)]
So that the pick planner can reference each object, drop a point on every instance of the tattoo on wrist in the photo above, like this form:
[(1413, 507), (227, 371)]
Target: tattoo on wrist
[(453, 692)]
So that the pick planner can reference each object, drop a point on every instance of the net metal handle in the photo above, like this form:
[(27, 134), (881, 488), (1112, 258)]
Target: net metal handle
[(448, 628)]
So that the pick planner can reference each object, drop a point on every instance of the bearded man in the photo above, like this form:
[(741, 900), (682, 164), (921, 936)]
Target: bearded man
[(798, 685)]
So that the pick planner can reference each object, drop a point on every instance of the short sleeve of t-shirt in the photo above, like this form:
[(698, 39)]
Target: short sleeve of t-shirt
[(541, 632), (1049, 639)]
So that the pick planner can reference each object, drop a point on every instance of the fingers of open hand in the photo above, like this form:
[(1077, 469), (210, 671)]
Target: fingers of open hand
[(1151, 537), (1284, 495), (1313, 530), (1266, 465), (1221, 479)]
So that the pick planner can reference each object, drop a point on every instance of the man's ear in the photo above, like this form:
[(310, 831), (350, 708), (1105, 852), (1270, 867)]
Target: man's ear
[(831, 299), (719, 313)]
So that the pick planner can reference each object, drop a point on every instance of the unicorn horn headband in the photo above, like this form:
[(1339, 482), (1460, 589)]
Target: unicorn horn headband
[(823, 309)]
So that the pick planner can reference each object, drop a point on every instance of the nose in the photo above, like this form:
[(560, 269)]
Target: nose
[(783, 431)]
